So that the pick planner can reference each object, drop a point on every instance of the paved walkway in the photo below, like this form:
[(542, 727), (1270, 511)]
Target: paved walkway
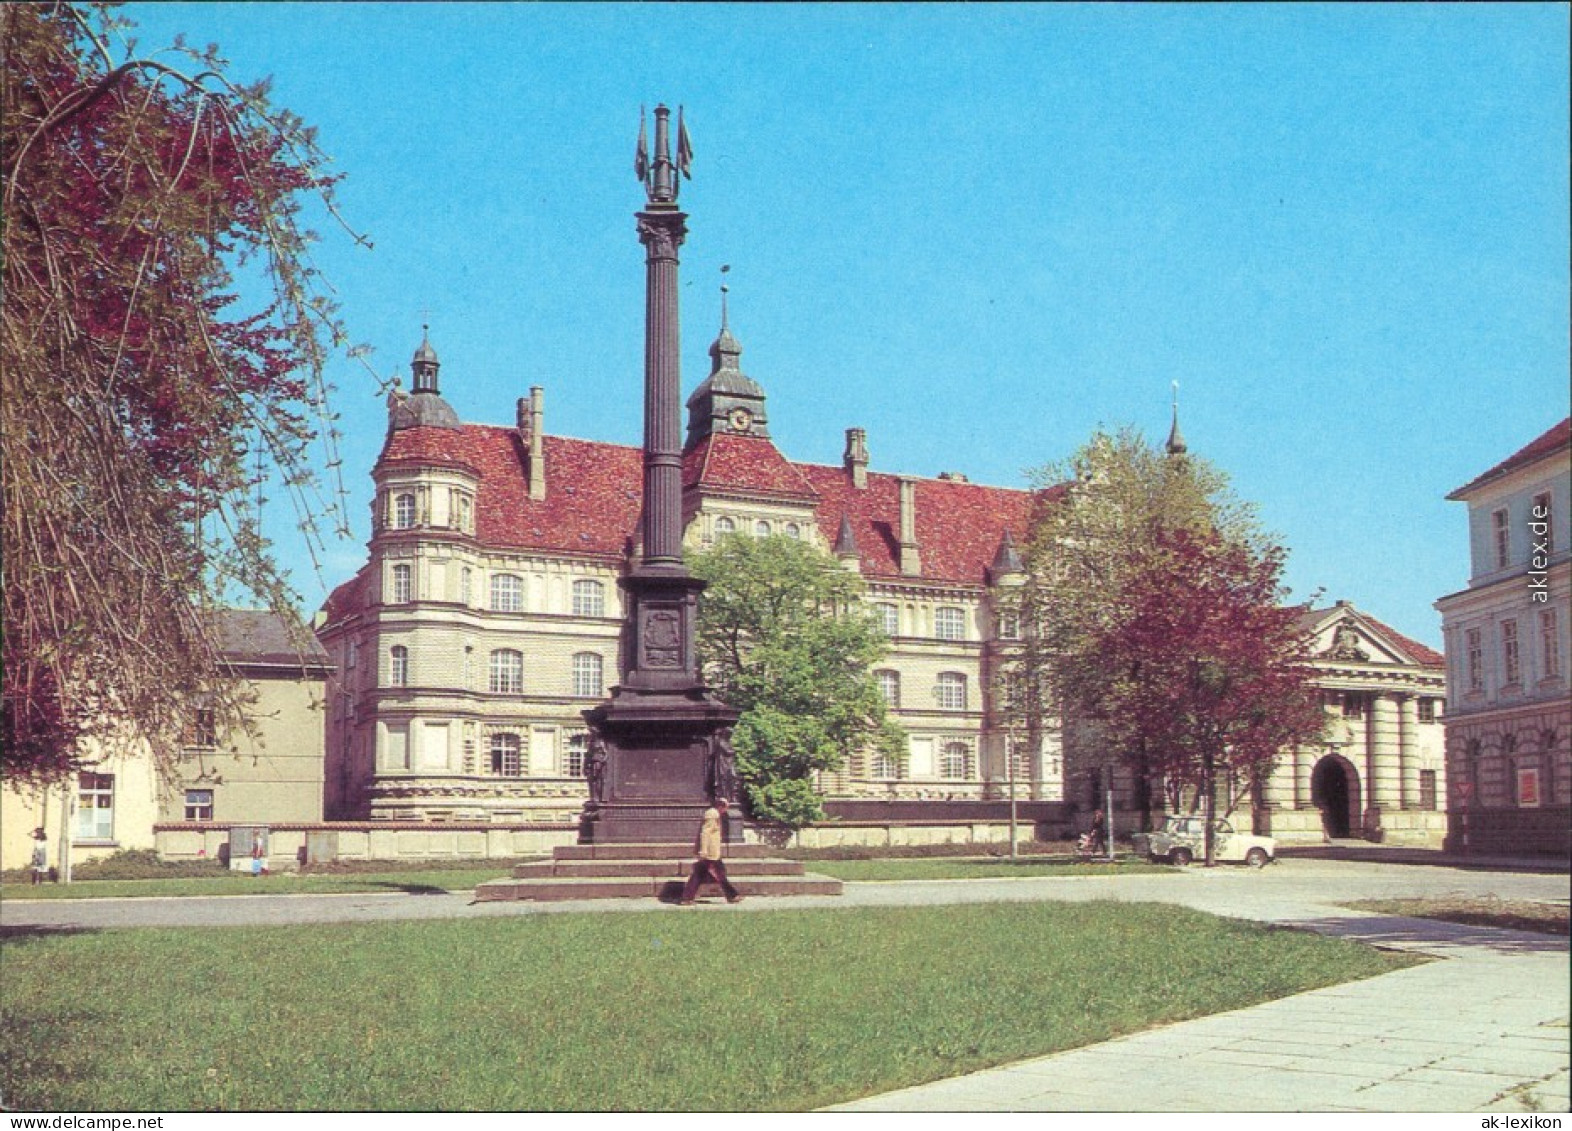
[(1484, 1028)]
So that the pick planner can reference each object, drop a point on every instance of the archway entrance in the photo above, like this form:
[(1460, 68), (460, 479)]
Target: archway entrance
[(1334, 788)]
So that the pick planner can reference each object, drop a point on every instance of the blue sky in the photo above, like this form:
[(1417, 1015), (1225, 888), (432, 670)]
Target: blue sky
[(977, 231)]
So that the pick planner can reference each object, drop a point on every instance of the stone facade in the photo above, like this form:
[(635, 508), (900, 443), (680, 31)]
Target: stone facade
[(1509, 721)]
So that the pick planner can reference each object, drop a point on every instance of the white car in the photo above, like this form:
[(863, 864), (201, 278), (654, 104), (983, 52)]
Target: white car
[(1181, 840)]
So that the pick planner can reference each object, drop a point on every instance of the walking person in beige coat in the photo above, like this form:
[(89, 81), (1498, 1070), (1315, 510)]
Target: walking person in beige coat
[(708, 852)]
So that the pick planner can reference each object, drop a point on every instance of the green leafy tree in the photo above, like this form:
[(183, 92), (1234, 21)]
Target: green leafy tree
[(1205, 670), (1095, 535), (164, 334), (784, 638)]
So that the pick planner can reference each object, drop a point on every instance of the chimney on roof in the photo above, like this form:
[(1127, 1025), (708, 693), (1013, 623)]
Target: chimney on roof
[(532, 431), (911, 560), (856, 457)]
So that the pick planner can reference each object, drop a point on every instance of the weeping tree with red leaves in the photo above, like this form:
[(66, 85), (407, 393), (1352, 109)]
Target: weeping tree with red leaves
[(1203, 668), (164, 342)]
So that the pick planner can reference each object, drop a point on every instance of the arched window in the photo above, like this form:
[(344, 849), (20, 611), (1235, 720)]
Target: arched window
[(507, 672), (724, 525), (589, 599), (950, 691), (507, 593), (954, 760), (398, 666), (466, 585), (889, 686), (403, 584), (505, 760), (587, 668), (463, 511), (949, 623), (793, 530), (403, 511), (578, 746), (761, 529), (889, 618)]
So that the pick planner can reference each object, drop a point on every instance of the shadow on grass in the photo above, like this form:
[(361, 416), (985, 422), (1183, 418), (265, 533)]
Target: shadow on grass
[(1404, 932), (408, 889), (23, 933)]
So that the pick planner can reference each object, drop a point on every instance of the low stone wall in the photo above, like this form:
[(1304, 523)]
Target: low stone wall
[(1513, 832), (290, 845), (900, 834), (1419, 828)]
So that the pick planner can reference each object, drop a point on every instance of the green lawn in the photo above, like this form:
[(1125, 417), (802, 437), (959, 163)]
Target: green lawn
[(463, 877), (675, 1010), (979, 868)]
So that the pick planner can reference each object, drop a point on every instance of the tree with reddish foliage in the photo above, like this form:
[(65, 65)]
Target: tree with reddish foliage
[(1203, 668), (163, 335)]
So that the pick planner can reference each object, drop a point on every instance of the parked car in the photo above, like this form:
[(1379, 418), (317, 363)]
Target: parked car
[(1182, 839)]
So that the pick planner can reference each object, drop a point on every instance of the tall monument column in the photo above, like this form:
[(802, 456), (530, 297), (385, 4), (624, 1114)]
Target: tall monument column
[(659, 751)]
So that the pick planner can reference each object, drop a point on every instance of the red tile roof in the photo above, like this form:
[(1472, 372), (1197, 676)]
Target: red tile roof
[(593, 494), (959, 525), (1558, 436)]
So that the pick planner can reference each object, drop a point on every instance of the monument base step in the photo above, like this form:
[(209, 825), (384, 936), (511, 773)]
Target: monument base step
[(665, 888)]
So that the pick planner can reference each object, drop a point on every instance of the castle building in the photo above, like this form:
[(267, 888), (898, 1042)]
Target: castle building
[(489, 616), (1509, 722)]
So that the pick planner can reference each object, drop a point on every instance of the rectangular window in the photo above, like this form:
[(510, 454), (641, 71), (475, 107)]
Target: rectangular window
[(1427, 789), (199, 804), (1427, 710), (403, 584), (1544, 531), (95, 807), (1009, 626), (507, 593), (1353, 706), (1476, 659), (889, 618), (589, 599), (949, 623), (573, 760), (1511, 661), (204, 731), (505, 756), (507, 672), (1550, 643), (587, 668), (951, 691), (889, 687), (1503, 536), (398, 666)]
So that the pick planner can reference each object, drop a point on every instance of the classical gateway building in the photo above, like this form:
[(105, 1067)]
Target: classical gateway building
[(1509, 721), (489, 617)]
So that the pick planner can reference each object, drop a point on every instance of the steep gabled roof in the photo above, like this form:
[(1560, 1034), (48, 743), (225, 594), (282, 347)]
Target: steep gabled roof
[(1556, 437), (1314, 620), (726, 462)]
